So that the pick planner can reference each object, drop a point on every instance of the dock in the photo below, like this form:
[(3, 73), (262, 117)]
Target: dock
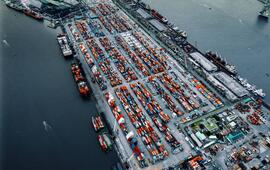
[(154, 101)]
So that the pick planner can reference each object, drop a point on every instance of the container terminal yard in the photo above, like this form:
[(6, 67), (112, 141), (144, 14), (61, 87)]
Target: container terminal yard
[(168, 104)]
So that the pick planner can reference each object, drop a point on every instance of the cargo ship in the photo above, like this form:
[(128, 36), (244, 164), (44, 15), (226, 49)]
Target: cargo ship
[(14, 6), (33, 14), (221, 63), (80, 80), (104, 142), (97, 123), (159, 17), (63, 42)]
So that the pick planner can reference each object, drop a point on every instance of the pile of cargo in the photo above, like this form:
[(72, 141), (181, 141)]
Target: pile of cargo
[(106, 24), (105, 42), (163, 128), (154, 51), (97, 123), (119, 23), (207, 93), (83, 28), (86, 55), (255, 117), (95, 49), (165, 96), (196, 162), (119, 59), (133, 56), (96, 28), (151, 106), (129, 134), (104, 63), (150, 61), (75, 34), (79, 78), (94, 12), (122, 66), (111, 74), (106, 9), (156, 113), (99, 78), (178, 92), (143, 126)]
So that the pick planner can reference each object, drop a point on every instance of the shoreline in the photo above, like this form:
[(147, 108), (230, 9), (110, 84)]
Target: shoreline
[(101, 101)]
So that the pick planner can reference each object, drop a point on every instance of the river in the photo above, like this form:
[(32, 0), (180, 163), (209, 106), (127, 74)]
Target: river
[(36, 86)]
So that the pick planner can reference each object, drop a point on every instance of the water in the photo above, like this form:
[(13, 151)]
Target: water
[(230, 27), (37, 86), (36, 83)]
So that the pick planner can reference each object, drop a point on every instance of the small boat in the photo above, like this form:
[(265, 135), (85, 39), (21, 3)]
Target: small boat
[(260, 93), (97, 123), (183, 33)]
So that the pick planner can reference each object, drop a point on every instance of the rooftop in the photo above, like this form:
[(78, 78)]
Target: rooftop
[(206, 64)]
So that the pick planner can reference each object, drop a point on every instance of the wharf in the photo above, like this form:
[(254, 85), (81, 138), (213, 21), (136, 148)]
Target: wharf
[(145, 59)]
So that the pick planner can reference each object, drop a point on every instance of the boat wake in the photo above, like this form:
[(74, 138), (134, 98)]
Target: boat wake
[(240, 20), (6, 43), (206, 6), (47, 127)]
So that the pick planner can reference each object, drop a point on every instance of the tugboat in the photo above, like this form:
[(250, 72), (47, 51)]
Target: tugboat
[(33, 14), (80, 80), (221, 63)]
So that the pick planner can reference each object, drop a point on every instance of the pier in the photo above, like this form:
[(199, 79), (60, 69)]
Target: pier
[(150, 97), (152, 91)]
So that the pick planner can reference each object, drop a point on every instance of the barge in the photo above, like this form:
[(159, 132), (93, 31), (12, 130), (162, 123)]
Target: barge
[(63, 43), (97, 123), (80, 80)]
